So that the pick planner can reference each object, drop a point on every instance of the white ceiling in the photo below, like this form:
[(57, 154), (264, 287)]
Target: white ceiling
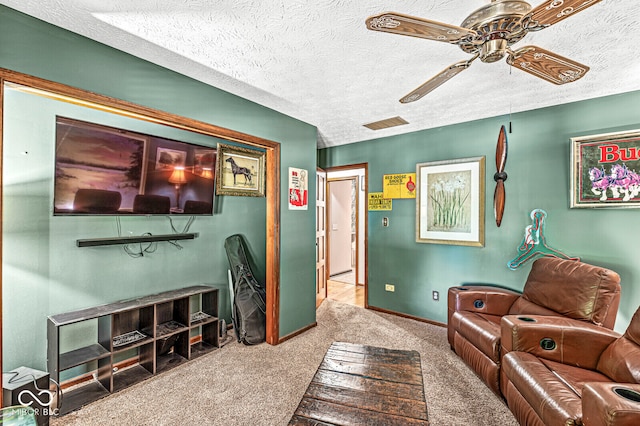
[(317, 62)]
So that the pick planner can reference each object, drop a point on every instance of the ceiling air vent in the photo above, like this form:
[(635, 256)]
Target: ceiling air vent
[(386, 123)]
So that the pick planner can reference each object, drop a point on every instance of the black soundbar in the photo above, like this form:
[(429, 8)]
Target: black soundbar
[(93, 242)]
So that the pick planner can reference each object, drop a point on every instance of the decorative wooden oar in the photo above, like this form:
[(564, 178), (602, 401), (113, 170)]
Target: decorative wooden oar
[(500, 176)]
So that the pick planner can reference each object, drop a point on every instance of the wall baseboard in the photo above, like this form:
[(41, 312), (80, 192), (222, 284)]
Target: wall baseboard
[(295, 333), (373, 308), (400, 314), (90, 375)]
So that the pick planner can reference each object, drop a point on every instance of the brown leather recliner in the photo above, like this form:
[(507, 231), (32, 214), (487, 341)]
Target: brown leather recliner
[(554, 287), (557, 371)]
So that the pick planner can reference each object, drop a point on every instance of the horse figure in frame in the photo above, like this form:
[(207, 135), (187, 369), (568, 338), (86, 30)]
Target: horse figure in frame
[(237, 170)]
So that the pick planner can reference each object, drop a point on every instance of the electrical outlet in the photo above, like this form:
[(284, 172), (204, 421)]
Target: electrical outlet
[(389, 287), (385, 221), (435, 294)]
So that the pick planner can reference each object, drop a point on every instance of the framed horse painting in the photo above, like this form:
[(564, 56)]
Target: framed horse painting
[(605, 170), (240, 171)]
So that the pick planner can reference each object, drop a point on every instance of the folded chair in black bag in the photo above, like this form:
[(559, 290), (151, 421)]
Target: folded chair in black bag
[(248, 297)]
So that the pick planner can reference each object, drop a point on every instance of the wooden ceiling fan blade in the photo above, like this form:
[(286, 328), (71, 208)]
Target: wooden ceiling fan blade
[(552, 11), (439, 79), (407, 25), (499, 198), (547, 65)]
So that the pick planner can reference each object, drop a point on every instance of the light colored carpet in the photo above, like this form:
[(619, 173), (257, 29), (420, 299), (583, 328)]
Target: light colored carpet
[(263, 384)]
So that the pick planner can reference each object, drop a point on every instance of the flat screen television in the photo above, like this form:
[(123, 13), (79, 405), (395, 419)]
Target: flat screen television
[(101, 170)]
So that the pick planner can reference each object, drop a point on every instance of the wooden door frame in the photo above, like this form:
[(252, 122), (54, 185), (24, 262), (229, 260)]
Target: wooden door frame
[(364, 166), (85, 98)]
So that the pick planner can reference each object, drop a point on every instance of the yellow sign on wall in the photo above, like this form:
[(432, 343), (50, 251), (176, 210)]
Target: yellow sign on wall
[(401, 185), (378, 202)]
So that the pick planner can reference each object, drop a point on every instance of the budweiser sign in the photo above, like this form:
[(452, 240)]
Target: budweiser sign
[(606, 170), (612, 153)]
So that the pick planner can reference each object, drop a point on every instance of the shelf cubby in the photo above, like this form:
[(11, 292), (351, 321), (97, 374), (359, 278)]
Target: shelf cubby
[(203, 317), (83, 355), (82, 395), (129, 376), (152, 333), (201, 348)]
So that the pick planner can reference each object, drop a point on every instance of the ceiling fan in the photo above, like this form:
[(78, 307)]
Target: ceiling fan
[(488, 34)]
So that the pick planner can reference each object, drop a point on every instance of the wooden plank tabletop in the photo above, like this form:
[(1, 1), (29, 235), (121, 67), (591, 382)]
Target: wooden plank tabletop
[(364, 385)]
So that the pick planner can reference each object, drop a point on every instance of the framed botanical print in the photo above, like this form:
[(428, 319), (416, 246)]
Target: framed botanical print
[(450, 202)]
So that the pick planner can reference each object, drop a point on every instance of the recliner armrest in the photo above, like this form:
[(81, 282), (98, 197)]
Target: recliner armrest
[(611, 404), (482, 299), (559, 339)]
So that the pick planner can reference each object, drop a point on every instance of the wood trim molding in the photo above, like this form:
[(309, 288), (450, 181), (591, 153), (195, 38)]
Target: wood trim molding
[(94, 100), (347, 167), (89, 376), (1, 211), (119, 106), (364, 166), (400, 314), (273, 246), (297, 332)]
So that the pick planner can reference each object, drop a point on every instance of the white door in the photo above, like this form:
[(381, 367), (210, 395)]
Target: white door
[(340, 226), (321, 236)]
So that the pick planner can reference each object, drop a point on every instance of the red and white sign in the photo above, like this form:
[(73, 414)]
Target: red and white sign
[(298, 189)]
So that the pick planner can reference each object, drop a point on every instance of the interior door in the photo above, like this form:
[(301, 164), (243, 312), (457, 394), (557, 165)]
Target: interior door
[(341, 230), (321, 236)]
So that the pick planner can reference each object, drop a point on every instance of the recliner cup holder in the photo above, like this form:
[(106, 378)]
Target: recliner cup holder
[(627, 393), (548, 344), (527, 319)]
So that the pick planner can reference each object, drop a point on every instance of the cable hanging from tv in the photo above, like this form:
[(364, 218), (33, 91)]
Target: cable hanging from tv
[(184, 231), (150, 248)]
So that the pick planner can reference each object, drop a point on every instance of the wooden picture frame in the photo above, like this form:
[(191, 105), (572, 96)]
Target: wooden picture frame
[(605, 170), (240, 171), (450, 202)]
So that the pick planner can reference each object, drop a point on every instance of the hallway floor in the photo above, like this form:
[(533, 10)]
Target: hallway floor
[(347, 277), (345, 293)]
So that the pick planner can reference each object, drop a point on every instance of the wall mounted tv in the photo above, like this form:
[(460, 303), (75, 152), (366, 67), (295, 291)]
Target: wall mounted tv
[(102, 170)]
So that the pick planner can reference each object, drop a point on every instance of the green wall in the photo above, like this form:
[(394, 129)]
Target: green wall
[(538, 168), (44, 272)]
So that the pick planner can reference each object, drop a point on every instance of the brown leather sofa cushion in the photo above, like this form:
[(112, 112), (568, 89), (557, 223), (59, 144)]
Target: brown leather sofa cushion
[(621, 360), (573, 289), (480, 331), (569, 341), (553, 390), (484, 367)]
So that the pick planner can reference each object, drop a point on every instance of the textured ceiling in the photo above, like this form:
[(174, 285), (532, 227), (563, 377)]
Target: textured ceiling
[(317, 62)]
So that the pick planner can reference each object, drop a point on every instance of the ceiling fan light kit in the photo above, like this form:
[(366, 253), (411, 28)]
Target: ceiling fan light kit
[(488, 34)]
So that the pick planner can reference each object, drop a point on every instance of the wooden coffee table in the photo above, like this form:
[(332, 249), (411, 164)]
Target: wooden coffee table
[(357, 385)]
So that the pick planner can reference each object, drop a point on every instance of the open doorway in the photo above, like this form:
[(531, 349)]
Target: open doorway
[(346, 234)]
